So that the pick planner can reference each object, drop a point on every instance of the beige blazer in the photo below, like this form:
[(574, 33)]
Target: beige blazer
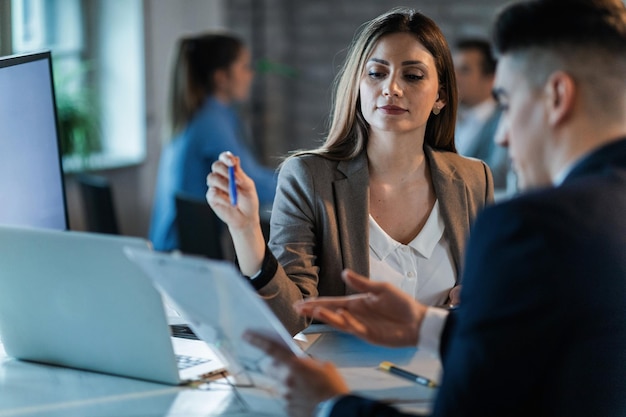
[(319, 222)]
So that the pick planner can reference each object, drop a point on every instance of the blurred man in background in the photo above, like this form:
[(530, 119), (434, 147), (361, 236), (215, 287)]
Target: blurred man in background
[(479, 115)]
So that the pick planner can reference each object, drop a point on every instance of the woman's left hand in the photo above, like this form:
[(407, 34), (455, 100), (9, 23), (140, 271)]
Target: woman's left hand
[(455, 295)]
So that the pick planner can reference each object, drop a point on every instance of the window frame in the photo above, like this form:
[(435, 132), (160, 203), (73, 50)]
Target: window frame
[(95, 46)]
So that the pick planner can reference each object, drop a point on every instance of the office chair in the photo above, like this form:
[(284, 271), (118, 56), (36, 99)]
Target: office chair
[(97, 197), (200, 231)]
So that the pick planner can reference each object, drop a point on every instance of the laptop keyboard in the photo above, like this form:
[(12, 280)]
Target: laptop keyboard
[(181, 330), (185, 362)]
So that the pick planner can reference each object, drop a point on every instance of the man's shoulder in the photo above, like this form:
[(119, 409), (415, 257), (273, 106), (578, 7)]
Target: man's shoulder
[(568, 206), (528, 209)]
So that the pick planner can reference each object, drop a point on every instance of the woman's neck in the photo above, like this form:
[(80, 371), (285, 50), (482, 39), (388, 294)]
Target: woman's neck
[(396, 156), (223, 98)]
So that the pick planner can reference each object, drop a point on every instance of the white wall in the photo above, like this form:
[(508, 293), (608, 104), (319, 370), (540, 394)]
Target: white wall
[(133, 187), (166, 22)]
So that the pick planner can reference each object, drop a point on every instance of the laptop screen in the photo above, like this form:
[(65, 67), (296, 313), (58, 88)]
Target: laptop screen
[(32, 191)]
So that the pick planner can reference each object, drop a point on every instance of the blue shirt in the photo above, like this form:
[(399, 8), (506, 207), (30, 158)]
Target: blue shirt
[(186, 162)]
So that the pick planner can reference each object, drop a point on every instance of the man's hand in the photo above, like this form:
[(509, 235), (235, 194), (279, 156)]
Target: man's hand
[(306, 382), (381, 314)]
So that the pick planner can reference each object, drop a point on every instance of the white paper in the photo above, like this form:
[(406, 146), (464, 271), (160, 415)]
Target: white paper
[(219, 305)]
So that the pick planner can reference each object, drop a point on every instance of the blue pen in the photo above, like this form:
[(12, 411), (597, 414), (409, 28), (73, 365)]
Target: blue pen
[(232, 186)]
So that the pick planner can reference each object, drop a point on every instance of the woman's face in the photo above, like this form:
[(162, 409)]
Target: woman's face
[(399, 86), (236, 82)]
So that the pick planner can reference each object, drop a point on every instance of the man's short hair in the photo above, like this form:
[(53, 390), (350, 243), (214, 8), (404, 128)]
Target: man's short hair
[(484, 48), (586, 38), (552, 24)]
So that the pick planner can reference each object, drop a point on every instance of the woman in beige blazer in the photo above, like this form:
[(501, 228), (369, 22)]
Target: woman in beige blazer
[(388, 165)]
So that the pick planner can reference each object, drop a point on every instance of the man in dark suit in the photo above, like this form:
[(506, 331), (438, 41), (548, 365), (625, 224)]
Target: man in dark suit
[(541, 329)]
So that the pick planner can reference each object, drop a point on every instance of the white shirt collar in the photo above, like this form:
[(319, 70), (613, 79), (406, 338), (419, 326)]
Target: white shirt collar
[(424, 243), (567, 169)]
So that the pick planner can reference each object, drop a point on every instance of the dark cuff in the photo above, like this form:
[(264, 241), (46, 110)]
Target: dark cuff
[(353, 405), (446, 334), (268, 270)]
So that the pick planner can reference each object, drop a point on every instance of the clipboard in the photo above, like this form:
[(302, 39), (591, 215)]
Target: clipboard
[(219, 305)]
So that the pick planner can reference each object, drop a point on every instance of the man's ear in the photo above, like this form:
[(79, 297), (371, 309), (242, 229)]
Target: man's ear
[(560, 94)]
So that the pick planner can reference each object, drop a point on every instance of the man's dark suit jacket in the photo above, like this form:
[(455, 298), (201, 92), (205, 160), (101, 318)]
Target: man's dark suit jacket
[(541, 330)]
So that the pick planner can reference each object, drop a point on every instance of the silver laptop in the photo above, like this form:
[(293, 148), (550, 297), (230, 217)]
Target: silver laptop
[(219, 305), (74, 299)]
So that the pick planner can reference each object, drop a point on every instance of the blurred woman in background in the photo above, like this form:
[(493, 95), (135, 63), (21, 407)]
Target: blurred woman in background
[(212, 72)]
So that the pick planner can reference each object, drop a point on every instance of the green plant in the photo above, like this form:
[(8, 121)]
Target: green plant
[(267, 66), (78, 116)]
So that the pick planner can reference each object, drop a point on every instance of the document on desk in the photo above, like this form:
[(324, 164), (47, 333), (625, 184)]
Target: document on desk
[(212, 402), (358, 362), (219, 305)]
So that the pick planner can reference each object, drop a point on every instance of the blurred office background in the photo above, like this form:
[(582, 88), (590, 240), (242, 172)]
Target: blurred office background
[(113, 61)]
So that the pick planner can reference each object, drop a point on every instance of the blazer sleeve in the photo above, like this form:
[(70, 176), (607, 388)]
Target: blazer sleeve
[(293, 243)]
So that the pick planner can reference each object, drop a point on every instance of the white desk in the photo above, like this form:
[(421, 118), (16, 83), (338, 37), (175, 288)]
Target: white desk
[(28, 389), (358, 361)]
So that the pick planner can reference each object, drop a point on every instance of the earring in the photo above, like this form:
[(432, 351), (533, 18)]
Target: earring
[(436, 110)]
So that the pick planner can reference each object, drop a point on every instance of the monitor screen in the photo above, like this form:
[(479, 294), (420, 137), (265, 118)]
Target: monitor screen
[(32, 191)]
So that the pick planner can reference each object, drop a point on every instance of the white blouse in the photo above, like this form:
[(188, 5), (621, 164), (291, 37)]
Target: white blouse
[(424, 268)]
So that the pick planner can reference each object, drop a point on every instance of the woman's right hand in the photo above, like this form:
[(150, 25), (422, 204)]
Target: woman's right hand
[(243, 215), (243, 218)]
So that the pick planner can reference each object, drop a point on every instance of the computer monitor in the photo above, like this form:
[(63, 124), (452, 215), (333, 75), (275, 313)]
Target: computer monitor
[(32, 190)]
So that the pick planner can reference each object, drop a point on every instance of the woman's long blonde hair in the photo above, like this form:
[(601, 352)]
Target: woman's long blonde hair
[(348, 133)]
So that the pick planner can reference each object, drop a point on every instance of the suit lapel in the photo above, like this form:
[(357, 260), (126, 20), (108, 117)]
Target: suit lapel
[(452, 196), (351, 194), (352, 204)]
